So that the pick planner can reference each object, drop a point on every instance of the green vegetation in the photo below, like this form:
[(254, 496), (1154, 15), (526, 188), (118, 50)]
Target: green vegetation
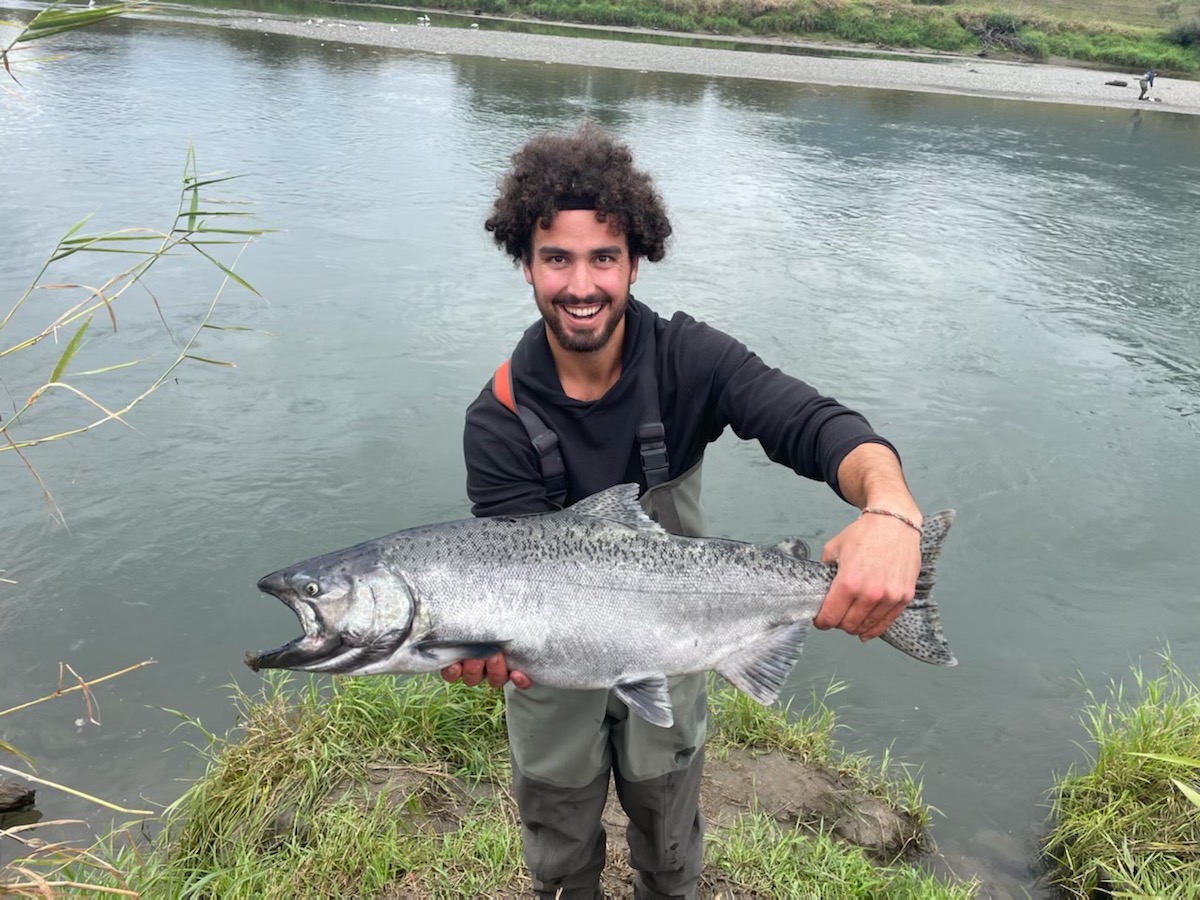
[(1133, 36), (203, 224), (378, 787), (1129, 824), (770, 861)]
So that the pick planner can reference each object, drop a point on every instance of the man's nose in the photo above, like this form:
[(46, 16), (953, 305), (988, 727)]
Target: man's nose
[(581, 282)]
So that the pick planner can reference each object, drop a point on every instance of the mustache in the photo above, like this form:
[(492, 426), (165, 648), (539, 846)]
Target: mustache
[(568, 299)]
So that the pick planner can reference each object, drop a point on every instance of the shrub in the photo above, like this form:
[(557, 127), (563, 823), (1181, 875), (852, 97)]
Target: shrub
[(1036, 44), (1002, 22), (1185, 34)]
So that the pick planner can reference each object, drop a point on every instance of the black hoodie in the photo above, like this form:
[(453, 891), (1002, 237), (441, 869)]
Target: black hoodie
[(706, 381)]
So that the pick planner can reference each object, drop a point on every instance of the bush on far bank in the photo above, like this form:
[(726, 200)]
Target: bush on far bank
[(1185, 34), (920, 24)]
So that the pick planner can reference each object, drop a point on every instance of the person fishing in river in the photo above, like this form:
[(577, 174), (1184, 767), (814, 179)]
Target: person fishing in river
[(602, 391)]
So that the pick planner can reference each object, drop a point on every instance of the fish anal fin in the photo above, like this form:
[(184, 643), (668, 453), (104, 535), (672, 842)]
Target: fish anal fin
[(760, 669), (649, 699)]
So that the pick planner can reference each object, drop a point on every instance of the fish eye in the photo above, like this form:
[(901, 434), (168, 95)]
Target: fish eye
[(312, 589)]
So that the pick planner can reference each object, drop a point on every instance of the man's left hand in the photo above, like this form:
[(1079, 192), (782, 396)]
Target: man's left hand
[(878, 559)]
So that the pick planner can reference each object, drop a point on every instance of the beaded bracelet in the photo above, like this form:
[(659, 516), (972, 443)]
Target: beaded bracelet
[(874, 510)]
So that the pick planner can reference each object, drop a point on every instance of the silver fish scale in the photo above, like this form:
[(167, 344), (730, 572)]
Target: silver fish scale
[(585, 602)]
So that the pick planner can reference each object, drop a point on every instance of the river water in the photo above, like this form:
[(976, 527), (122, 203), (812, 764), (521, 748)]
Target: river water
[(1006, 290)]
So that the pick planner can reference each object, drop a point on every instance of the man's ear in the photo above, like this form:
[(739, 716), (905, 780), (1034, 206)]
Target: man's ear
[(632, 270), (525, 268)]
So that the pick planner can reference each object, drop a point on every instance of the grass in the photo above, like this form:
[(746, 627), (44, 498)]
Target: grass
[(1123, 34), (1130, 822), (373, 787), (772, 861)]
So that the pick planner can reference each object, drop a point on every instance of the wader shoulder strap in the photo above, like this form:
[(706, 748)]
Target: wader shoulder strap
[(545, 441), (651, 435), (652, 445)]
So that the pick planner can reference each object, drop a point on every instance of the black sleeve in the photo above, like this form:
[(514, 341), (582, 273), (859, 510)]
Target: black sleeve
[(503, 473), (795, 424)]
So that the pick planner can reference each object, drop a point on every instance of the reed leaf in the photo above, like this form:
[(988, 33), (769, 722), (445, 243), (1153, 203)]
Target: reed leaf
[(70, 350)]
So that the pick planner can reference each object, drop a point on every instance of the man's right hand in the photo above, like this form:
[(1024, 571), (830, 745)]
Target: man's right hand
[(494, 668)]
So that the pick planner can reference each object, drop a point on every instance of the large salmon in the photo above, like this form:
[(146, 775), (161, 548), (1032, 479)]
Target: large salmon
[(595, 596)]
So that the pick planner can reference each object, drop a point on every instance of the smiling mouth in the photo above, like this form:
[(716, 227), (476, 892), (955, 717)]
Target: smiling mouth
[(583, 312)]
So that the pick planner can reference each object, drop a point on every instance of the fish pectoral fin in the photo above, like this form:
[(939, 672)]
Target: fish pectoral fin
[(649, 699), (759, 669), (445, 653)]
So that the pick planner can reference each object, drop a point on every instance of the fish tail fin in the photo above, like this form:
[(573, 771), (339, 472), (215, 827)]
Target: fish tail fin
[(918, 630)]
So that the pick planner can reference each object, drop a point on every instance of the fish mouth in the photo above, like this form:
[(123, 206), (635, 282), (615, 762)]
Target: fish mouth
[(312, 646), (316, 650)]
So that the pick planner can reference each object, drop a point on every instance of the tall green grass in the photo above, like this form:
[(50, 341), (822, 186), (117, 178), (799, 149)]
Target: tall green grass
[(1129, 821)]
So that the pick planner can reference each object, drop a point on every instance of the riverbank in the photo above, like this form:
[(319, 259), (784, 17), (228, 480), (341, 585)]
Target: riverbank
[(398, 790), (915, 72)]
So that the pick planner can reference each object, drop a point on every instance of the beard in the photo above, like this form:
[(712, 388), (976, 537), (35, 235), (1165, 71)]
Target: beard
[(589, 340)]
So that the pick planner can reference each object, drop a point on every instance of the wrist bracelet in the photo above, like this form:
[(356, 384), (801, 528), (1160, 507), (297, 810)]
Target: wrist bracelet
[(876, 511)]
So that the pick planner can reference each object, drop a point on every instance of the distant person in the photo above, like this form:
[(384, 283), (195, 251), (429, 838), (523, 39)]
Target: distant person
[(1145, 83)]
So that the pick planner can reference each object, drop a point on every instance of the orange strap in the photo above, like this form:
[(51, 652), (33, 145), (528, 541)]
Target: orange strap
[(502, 386)]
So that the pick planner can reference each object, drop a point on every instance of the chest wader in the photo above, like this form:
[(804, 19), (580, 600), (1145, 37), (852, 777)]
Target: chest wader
[(565, 743)]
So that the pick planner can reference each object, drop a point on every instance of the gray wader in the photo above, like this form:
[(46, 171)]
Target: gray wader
[(565, 744)]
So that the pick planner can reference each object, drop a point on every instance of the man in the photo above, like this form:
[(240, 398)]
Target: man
[(604, 391), (1145, 83)]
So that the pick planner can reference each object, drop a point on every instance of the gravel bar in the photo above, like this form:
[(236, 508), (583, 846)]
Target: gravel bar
[(970, 76)]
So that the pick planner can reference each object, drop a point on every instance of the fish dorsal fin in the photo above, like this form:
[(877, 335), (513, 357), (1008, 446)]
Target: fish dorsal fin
[(617, 504), (793, 548), (649, 699), (760, 668)]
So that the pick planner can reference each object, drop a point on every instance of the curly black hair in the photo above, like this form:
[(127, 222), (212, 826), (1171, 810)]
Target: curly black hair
[(584, 170)]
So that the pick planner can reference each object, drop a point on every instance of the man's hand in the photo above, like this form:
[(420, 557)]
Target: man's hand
[(494, 668), (878, 560)]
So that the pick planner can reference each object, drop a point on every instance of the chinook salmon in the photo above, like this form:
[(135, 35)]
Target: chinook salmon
[(597, 595)]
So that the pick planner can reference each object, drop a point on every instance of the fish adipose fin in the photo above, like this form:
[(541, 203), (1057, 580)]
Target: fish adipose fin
[(918, 630), (760, 668), (617, 504), (649, 699), (447, 652)]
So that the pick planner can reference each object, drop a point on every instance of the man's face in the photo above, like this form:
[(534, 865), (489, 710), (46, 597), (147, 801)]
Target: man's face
[(581, 272)]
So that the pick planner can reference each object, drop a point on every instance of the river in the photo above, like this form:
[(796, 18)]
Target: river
[(1005, 289)]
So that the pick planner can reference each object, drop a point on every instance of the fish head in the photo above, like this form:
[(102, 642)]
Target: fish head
[(354, 612)]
